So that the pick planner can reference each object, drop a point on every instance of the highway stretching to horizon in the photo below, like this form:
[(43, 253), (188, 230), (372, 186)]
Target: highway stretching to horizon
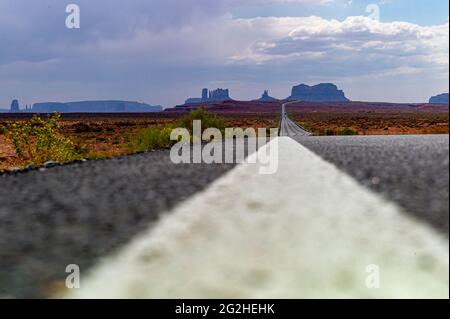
[(142, 227), (289, 127)]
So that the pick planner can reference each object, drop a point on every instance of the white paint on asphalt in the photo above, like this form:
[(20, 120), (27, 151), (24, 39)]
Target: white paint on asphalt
[(308, 231)]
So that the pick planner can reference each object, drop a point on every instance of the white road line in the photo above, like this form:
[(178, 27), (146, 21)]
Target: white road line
[(308, 231)]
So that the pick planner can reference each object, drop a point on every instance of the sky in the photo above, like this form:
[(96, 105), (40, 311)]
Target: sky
[(164, 51)]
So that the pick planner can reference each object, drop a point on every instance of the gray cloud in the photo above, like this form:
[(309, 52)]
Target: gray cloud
[(146, 50)]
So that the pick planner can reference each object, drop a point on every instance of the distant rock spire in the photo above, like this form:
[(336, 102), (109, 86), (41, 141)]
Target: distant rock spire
[(205, 94), (266, 97), (14, 106)]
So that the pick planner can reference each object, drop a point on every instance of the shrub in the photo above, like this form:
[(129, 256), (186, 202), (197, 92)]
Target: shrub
[(154, 137), (348, 131), (38, 141), (208, 120)]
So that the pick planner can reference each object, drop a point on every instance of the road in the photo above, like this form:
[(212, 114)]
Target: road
[(82, 212), (308, 231), (289, 127), (335, 205), (411, 170)]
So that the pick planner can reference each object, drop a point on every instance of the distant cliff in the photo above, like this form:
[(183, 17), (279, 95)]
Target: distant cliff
[(95, 107), (439, 99), (324, 92)]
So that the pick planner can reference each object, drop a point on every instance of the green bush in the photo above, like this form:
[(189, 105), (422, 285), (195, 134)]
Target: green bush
[(154, 137), (38, 141), (208, 120), (348, 131)]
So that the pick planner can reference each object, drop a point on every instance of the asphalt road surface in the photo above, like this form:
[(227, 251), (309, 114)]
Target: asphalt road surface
[(82, 212), (412, 171), (307, 230), (79, 213), (289, 127)]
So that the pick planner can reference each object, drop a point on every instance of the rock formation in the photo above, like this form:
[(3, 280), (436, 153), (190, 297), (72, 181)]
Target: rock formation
[(95, 107), (266, 97), (439, 99), (219, 95), (324, 92), (14, 107), (210, 96)]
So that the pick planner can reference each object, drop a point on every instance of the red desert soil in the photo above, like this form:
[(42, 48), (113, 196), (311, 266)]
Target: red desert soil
[(359, 117), (105, 135)]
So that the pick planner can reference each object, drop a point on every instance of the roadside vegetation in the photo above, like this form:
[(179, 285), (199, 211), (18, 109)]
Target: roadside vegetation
[(25, 141), (159, 136), (208, 120), (150, 138), (347, 131), (38, 141)]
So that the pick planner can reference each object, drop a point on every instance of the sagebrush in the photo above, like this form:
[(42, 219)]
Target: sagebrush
[(154, 137), (38, 141)]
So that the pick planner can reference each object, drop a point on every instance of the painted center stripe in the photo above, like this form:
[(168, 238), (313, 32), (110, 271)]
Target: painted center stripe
[(308, 231)]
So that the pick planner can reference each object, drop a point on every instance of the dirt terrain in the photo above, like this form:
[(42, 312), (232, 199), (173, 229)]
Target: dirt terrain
[(371, 118), (106, 135), (356, 118)]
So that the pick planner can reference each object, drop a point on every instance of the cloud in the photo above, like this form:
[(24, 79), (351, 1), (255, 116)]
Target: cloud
[(145, 49), (35, 30), (354, 41)]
